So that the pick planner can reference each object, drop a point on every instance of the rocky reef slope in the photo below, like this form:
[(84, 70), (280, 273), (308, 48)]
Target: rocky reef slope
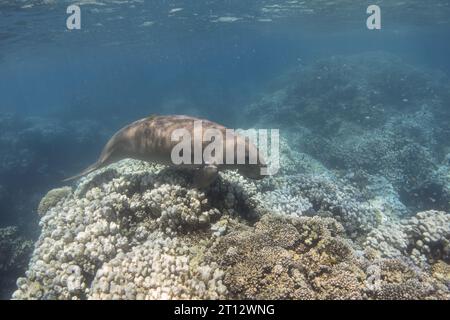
[(137, 231)]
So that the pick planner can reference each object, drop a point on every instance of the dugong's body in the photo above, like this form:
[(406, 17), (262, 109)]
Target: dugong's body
[(150, 139)]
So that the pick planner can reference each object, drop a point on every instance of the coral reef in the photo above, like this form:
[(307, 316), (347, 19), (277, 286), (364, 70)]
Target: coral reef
[(424, 238), (329, 196), (151, 225), (429, 236), (373, 113), (15, 252), (394, 279), (139, 231), (160, 268), (52, 198), (308, 258)]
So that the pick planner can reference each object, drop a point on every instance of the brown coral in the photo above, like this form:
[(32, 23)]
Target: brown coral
[(52, 198), (307, 258), (281, 258)]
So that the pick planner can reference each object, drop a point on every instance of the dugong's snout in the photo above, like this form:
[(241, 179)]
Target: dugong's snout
[(251, 171), (254, 171)]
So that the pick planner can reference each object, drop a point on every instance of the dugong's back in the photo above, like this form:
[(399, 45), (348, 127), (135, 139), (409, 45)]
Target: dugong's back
[(150, 139)]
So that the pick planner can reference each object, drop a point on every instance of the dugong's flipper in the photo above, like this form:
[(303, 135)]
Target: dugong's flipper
[(206, 175), (86, 171)]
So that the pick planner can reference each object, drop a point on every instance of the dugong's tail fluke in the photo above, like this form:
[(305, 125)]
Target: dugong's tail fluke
[(86, 171)]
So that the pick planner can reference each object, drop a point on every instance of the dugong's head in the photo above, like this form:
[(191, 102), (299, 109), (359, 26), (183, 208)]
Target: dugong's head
[(250, 169)]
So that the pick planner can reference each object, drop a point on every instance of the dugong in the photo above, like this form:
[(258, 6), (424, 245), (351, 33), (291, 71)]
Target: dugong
[(150, 139)]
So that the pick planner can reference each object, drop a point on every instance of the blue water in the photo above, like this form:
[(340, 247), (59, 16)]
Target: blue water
[(115, 64), (132, 59)]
